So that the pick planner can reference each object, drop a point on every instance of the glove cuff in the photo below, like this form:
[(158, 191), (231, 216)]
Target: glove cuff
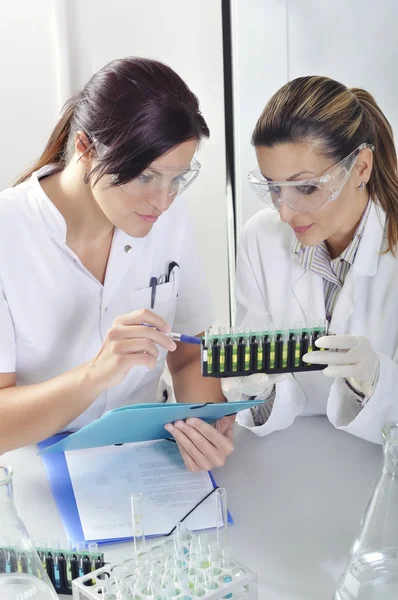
[(355, 386)]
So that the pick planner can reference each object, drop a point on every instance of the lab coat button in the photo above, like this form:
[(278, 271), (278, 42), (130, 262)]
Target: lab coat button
[(127, 249)]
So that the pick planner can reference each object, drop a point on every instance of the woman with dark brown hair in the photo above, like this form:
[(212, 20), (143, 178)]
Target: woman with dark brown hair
[(96, 243)]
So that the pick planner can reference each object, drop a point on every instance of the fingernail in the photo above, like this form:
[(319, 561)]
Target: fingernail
[(179, 424), (168, 427), (190, 421)]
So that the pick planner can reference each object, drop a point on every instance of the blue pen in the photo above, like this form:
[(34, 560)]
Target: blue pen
[(179, 337), (153, 284)]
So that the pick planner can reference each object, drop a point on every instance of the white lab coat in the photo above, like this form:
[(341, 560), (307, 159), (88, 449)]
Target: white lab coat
[(271, 285), (55, 315)]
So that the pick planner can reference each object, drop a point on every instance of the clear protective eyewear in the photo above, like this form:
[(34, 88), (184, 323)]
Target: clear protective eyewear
[(306, 195), (155, 178)]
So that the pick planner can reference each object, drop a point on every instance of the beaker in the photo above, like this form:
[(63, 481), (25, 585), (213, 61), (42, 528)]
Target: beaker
[(22, 575), (371, 572)]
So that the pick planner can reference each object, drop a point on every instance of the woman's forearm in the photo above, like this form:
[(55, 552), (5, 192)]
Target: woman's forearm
[(31, 413), (191, 387)]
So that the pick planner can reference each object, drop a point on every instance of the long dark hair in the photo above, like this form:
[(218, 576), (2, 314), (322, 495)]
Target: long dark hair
[(134, 110), (321, 110)]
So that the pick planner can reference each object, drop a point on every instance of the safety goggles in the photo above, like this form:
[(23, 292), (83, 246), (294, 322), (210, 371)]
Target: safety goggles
[(155, 178), (306, 195)]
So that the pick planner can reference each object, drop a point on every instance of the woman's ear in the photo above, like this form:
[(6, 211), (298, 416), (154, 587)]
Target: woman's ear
[(364, 165), (83, 149)]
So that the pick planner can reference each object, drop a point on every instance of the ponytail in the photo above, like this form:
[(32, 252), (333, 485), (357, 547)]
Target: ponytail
[(383, 183), (56, 148)]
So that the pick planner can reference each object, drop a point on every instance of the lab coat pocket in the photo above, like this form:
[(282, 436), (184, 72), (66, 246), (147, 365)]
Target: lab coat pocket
[(165, 300)]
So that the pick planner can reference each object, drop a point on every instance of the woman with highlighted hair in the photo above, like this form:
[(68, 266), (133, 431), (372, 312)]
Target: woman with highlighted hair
[(326, 247), (96, 243)]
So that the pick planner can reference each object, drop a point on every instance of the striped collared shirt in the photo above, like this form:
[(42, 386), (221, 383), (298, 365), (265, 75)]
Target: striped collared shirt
[(333, 271)]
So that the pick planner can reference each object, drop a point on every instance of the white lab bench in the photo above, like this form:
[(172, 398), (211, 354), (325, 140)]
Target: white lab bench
[(296, 497)]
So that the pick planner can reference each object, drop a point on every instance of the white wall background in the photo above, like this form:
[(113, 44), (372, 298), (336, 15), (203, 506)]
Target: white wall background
[(28, 101), (50, 48), (275, 41)]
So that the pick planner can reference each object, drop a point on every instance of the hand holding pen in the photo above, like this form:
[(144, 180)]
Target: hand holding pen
[(129, 344), (179, 337)]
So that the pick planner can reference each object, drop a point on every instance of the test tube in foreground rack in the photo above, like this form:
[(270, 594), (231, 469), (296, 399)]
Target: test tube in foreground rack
[(222, 526), (138, 521)]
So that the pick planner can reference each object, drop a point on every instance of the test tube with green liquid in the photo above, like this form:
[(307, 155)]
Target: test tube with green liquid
[(234, 342), (247, 340), (310, 331), (68, 547), (319, 331), (298, 333), (272, 333), (221, 340), (209, 344), (285, 340), (259, 340), (228, 351)]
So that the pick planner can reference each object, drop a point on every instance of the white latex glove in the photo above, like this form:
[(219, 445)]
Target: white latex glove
[(348, 356), (258, 385)]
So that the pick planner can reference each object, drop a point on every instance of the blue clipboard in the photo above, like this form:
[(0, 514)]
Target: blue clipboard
[(142, 423), (61, 486)]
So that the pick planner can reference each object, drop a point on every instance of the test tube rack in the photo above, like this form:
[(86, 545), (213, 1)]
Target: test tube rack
[(65, 565), (274, 350), (234, 581), (61, 565)]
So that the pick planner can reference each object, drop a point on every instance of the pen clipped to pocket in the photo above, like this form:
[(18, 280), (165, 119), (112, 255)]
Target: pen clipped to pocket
[(173, 277)]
